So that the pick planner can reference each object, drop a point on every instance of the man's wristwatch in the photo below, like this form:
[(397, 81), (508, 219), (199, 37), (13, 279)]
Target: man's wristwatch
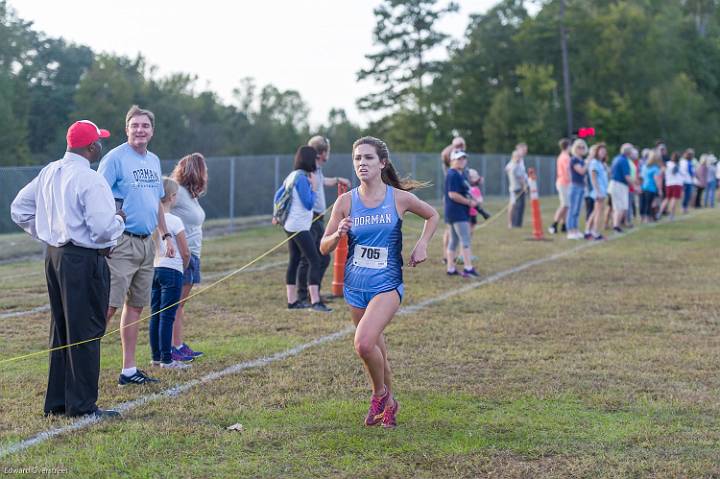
[(166, 236)]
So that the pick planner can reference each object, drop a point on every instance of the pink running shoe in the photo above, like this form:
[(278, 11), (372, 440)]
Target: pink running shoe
[(377, 409), (389, 421)]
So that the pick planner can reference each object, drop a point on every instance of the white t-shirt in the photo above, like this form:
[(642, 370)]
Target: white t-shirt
[(685, 171), (299, 217), (175, 227), (672, 178), (188, 209)]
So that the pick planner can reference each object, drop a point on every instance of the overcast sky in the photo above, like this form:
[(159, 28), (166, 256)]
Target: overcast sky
[(313, 46)]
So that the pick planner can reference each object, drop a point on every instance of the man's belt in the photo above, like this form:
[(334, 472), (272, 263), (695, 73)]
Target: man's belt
[(133, 235), (102, 252)]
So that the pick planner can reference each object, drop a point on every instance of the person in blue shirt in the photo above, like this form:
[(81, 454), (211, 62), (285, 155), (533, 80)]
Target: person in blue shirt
[(371, 218), (458, 202), (598, 177), (619, 187), (578, 170), (651, 174), (135, 179)]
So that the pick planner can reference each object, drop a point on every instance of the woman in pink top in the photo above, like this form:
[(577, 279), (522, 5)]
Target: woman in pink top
[(562, 184)]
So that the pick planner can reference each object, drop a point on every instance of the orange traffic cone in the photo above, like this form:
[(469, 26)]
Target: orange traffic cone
[(341, 253), (535, 205)]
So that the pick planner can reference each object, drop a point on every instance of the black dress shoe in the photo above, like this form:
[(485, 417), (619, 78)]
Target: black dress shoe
[(105, 413), (99, 413), (55, 412)]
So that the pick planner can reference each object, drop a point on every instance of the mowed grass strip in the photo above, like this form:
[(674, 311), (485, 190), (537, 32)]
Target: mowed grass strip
[(600, 364)]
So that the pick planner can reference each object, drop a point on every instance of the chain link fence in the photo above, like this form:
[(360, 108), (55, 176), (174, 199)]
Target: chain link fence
[(244, 185)]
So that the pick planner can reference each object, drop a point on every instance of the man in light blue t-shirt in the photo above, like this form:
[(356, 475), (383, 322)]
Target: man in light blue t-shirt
[(135, 179)]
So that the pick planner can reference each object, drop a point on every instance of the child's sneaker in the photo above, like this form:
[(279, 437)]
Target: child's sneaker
[(174, 365), (470, 273), (377, 409), (186, 350), (389, 420), (176, 355), (452, 273)]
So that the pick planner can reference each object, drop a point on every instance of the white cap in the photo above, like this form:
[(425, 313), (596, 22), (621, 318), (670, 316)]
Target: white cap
[(457, 154)]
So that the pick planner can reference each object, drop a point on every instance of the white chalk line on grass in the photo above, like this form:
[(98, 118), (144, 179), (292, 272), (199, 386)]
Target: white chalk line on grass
[(86, 422), (207, 277)]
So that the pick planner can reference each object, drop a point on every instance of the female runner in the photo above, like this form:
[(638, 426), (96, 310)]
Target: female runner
[(371, 216)]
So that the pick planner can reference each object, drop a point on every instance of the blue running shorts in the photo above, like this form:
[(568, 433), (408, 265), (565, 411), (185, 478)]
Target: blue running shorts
[(361, 299)]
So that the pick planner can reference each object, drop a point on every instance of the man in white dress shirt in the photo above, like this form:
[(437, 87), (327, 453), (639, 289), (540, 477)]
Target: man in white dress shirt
[(70, 207)]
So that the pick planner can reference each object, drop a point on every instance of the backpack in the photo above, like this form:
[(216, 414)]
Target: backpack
[(283, 198)]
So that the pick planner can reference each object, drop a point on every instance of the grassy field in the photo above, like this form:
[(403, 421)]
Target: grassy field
[(600, 363)]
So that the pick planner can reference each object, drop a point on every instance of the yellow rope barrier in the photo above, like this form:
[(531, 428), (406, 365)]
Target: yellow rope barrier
[(221, 280), (225, 278)]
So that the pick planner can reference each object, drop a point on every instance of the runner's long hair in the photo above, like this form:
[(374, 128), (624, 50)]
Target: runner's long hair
[(389, 174)]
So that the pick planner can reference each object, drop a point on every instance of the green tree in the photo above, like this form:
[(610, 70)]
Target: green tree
[(476, 72), (406, 31), (57, 70), (341, 131), (107, 91), (16, 53), (683, 114)]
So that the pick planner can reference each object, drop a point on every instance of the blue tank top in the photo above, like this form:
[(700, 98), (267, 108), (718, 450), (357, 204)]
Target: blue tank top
[(374, 262)]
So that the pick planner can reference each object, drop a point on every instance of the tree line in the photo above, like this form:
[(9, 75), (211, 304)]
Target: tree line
[(639, 70)]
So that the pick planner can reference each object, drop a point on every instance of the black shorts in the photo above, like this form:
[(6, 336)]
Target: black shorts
[(473, 220)]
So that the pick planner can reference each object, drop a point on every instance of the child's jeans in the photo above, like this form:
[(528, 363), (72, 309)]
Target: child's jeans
[(166, 291)]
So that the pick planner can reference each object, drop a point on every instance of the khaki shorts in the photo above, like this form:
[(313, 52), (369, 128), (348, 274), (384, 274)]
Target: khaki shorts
[(563, 194), (619, 192), (131, 271)]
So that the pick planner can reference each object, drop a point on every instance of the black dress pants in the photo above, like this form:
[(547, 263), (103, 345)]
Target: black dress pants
[(317, 230), (78, 281)]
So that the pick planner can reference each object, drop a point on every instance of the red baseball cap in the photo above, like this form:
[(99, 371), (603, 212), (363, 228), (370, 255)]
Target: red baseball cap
[(84, 133)]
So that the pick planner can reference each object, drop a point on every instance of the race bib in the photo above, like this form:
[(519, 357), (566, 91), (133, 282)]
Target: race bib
[(373, 257)]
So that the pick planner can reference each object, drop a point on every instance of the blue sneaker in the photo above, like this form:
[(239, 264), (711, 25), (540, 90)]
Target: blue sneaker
[(470, 273), (186, 350), (176, 355)]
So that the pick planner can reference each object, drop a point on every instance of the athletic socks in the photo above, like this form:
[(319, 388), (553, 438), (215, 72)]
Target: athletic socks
[(129, 371)]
